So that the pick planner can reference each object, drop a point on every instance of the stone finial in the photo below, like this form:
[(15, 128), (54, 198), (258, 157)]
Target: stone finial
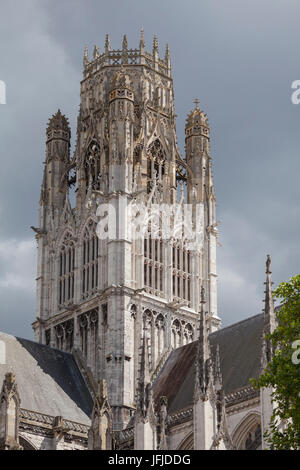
[(269, 316), (107, 43), (269, 311), (86, 56), (144, 394), (124, 50), (167, 54), (142, 40), (124, 43), (202, 338), (96, 52), (168, 59), (203, 360), (155, 45), (196, 117)]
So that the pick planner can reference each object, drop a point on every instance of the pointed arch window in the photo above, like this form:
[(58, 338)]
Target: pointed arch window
[(154, 264), (88, 323), (90, 260), (66, 270), (64, 335), (176, 337), (247, 435), (160, 335), (253, 441), (181, 267)]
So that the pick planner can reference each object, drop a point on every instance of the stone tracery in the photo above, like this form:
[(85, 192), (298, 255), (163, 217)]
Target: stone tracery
[(66, 269), (90, 260)]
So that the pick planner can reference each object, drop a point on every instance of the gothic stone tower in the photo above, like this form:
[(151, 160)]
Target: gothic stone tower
[(99, 295)]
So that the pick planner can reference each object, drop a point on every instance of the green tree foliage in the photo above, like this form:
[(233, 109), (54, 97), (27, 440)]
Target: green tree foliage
[(283, 371)]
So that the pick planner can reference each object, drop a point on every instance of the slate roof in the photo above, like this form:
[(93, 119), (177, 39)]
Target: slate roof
[(48, 380), (240, 348)]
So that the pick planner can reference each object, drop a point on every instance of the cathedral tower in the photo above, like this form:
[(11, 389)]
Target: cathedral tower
[(200, 186), (101, 287)]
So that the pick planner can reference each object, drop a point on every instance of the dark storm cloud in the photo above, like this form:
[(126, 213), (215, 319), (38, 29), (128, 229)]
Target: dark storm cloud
[(239, 58)]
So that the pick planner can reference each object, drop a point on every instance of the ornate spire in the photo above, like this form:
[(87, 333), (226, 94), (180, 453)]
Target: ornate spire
[(269, 311), (124, 50), (222, 439), (219, 391), (124, 43), (86, 56), (167, 54), (208, 391), (168, 59), (107, 43), (111, 57), (145, 363), (142, 41), (155, 45), (101, 420), (202, 338), (203, 363), (96, 52), (269, 317), (145, 414), (197, 117), (58, 122), (144, 395), (142, 48)]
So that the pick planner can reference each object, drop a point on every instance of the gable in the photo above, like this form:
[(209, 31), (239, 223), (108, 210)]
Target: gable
[(48, 380)]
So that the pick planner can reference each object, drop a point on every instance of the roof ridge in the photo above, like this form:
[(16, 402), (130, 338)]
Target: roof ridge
[(18, 338), (237, 323)]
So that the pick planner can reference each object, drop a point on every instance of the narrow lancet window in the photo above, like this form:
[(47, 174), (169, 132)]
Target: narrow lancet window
[(66, 270)]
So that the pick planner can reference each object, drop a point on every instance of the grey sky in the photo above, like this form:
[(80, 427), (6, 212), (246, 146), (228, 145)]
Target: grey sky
[(239, 58)]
